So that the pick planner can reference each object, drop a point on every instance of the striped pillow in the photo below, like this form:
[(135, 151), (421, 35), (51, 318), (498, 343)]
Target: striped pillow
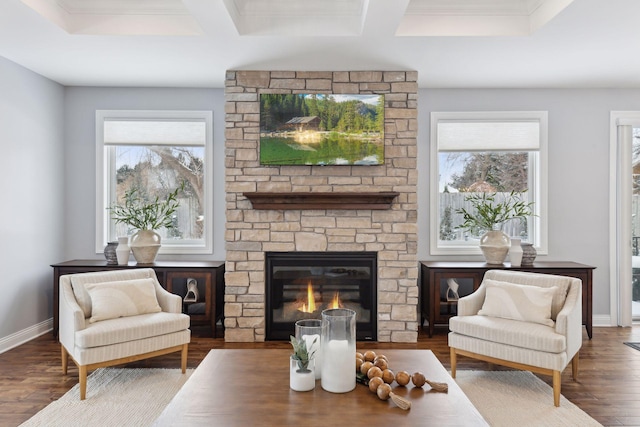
[(518, 302), (110, 300)]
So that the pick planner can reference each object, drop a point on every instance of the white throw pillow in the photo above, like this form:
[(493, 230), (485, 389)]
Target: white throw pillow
[(110, 300), (518, 302)]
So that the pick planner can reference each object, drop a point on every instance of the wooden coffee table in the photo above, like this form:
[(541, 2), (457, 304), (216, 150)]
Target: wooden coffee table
[(251, 387)]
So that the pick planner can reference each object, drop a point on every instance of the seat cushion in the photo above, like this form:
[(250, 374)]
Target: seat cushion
[(124, 329), (518, 302), (110, 300), (526, 335)]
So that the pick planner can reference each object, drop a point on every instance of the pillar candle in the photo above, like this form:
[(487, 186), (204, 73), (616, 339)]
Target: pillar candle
[(338, 368)]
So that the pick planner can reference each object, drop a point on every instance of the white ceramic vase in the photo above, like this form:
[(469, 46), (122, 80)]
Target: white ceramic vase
[(123, 250), (301, 379), (145, 245), (515, 253), (495, 245)]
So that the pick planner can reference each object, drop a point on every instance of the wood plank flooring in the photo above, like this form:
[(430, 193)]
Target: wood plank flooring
[(608, 386)]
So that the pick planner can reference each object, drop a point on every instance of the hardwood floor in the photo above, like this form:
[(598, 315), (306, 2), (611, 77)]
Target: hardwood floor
[(608, 386)]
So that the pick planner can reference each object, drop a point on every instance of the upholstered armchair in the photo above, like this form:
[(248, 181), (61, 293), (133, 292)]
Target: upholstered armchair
[(119, 316), (525, 321)]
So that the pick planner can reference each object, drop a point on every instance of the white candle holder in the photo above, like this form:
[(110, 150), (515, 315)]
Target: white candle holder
[(338, 350)]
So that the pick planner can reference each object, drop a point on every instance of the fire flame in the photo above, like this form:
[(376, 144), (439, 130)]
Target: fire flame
[(335, 302), (310, 299), (310, 305)]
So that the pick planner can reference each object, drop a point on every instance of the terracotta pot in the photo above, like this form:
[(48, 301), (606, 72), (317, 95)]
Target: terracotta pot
[(495, 245), (145, 245)]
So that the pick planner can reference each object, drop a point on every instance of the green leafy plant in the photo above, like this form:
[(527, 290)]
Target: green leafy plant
[(301, 353), (146, 215), (489, 214)]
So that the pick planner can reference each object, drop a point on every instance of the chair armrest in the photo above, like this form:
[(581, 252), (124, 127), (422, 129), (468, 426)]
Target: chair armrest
[(169, 303), (569, 319), (71, 316), (470, 305)]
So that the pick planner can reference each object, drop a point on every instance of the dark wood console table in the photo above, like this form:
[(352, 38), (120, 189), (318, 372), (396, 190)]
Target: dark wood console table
[(171, 275), (433, 286)]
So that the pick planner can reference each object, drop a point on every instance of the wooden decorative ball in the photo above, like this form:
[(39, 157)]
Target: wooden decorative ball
[(365, 367), (374, 371), (374, 383), (388, 376), (418, 379), (403, 378), (359, 355), (383, 391), (359, 363), (369, 356), (381, 363)]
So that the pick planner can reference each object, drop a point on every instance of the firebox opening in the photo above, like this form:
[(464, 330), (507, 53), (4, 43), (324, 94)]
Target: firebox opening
[(299, 285)]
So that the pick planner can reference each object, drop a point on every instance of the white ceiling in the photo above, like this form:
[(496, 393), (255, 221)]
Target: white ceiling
[(451, 43)]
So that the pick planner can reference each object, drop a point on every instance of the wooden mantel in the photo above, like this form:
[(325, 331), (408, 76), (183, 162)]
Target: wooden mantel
[(308, 200)]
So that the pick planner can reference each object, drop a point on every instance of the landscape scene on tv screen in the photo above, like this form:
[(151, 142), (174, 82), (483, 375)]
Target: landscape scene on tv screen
[(313, 129)]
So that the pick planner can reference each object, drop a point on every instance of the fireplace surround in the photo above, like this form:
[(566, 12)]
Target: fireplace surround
[(299, 285), (303, 222)]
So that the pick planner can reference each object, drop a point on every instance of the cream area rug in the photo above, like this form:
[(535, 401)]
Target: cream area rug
[(136, 397), (517, 398), (115, 397)]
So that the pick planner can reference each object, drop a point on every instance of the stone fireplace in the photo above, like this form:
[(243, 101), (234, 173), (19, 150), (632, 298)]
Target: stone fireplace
[(293, 220)]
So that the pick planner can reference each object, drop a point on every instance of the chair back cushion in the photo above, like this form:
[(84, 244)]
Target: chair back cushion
[(110, 300), (561, 283), (81, 280), (518, 302)]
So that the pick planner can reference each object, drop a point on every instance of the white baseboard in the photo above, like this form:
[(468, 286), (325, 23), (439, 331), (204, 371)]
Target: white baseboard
[(602, 320), (21, 337)]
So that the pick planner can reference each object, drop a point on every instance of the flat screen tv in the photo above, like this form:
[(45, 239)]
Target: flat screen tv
[(313, 129)]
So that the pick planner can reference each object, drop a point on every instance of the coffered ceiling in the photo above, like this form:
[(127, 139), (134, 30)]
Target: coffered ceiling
[(451, 43)]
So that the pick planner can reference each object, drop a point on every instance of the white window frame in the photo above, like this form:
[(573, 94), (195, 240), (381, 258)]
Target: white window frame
[(537, 183), (105, 187)]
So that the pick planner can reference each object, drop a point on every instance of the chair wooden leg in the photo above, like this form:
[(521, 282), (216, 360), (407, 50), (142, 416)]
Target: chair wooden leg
[(557, 383), (453, 356), (183, 361), (574, 366), (82, 376), (65, 359)]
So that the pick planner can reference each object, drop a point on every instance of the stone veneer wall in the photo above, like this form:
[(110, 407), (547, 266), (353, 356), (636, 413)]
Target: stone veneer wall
[(391, 233)]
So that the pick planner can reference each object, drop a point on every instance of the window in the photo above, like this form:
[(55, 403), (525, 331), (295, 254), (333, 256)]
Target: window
[(486, 152), (155, 152)]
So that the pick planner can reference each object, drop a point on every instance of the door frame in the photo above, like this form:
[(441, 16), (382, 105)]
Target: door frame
[(620, 188)]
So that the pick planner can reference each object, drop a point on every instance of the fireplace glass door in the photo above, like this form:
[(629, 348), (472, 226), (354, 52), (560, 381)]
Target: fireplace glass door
[(299, 285)]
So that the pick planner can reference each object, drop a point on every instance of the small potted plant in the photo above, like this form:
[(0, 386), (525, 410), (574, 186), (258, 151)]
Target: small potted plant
[(146, 217), (301, 371), (489, 216)]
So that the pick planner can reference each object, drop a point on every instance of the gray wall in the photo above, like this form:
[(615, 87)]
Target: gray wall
[(80, 108), (52, 215), (32, 189), (578, 167)]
